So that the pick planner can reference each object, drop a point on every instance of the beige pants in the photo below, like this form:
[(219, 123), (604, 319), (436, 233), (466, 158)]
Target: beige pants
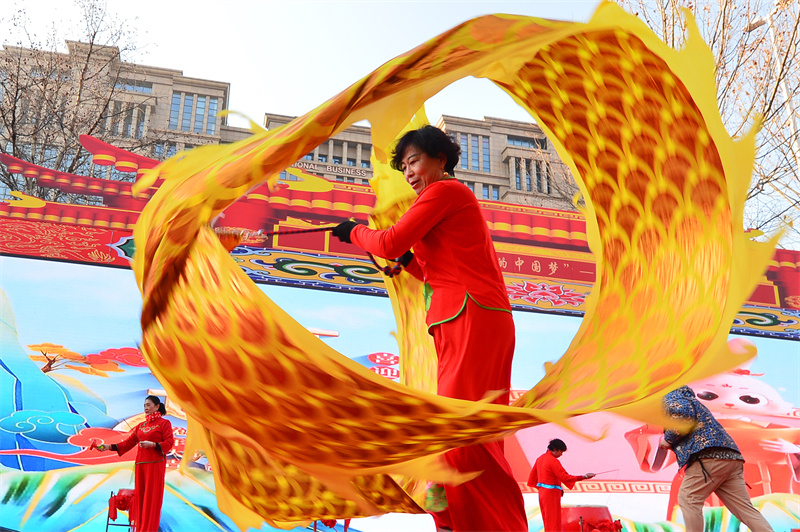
[(726, 479)]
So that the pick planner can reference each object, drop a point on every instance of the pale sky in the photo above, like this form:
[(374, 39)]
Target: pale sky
[(289, 56)]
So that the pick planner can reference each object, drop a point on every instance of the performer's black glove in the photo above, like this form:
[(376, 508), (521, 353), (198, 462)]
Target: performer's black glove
[(406, 258), (343, 230)]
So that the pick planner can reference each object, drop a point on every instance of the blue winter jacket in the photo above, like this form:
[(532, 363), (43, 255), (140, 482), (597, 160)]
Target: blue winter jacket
[(706, 431)]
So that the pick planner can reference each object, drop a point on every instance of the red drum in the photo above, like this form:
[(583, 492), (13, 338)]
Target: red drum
[(571, 517)]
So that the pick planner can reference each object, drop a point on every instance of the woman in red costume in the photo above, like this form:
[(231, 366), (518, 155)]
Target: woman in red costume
[(547, 476), (154, 439), (468, 315)]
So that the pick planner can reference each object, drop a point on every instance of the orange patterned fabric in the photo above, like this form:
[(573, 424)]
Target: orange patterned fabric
[(297, 431)]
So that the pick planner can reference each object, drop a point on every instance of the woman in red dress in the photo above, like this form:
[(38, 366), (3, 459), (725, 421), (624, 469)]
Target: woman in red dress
[(468, 315), (154, 439), (547, 476)]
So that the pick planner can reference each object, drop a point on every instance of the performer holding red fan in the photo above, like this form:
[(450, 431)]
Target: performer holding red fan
[(154, 439)]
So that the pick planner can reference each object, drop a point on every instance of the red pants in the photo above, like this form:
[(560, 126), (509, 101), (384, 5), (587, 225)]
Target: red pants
[(149, 483), (550, 506), (475, 352)]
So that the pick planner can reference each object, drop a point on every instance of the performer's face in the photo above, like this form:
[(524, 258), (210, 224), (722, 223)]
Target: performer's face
[(149, 407), (420, 169)]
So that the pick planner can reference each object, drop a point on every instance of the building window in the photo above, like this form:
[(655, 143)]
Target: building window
[(339, 178), (486, 191), (539, 177), (486, 161), (164, 150), (128, 122), (351, 162), (337, 160), (134, 85), (364, 164), (496, 194), (475, 153), (174, 110), (523, 142), (116, 118), (470, 186), (140, 114), (542, 142), (464, 150), (547, 176), (351, 179), (528, 175), (211, 123), (308, 157), (199, 114), (322, 158), (517, 173), (188, 103)]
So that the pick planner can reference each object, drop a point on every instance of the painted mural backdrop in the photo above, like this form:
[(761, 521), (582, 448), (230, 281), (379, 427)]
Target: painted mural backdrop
[(71, 371)]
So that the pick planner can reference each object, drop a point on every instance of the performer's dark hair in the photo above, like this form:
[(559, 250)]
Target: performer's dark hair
[(556, 445), (431, 140), (156, 401)]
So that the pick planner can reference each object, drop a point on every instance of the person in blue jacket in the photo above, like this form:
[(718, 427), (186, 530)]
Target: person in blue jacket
[(712, 462)]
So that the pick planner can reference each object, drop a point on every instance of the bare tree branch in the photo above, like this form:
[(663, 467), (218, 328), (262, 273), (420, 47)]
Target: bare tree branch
[(755, 46), (49, 98)]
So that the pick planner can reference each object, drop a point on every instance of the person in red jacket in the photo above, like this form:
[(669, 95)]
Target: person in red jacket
[(154, 439), (468, 315), (547, 476)]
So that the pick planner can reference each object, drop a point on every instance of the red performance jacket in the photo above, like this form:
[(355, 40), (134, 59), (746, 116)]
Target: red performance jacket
[(548, 470), (158, 431), (453, 253)]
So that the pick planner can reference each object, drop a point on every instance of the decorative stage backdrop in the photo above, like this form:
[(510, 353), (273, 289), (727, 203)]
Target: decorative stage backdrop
[(70, 368)]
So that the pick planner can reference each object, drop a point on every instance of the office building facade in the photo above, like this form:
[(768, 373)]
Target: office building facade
[(501, 160), (157, 112), (50, 98)]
